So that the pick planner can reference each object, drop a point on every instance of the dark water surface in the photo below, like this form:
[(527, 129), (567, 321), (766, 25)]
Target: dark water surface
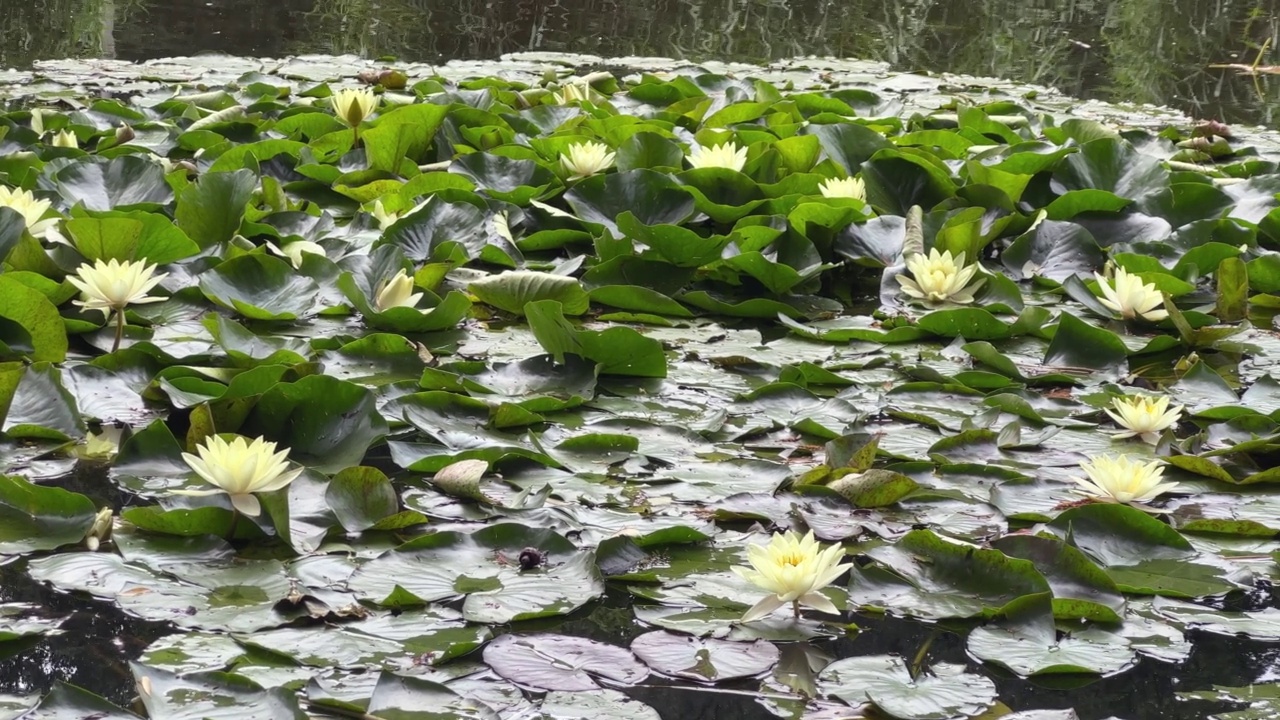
[(1130, 50), (98, 640)]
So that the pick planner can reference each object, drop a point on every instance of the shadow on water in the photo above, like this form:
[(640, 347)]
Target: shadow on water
[(1129, 50), (98, 641)]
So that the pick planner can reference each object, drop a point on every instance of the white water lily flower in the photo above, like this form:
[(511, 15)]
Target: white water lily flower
[(1143, 417), (724, 155), (240, 469), (586, 159), (572, 91), (111, 285), (1131, 297), (1121, 479), (397, 292), (794, 570), (100, 530), (31, 209), (385, 219), (938, 277), (353, 106), (844, 188), (65, 139), (295, 251)]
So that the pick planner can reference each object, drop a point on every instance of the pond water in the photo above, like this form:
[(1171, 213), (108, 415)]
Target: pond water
[(1155, 51)]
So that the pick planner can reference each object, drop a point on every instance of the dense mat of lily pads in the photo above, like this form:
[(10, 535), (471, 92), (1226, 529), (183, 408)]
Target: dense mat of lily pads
[(385, 371)]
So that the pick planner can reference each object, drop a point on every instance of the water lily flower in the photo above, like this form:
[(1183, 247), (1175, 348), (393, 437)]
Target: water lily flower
[(724, 155), (397, 292), (794, 570), (1121, 479), (353, 106), (240, 468), (296, 250), (844, 188), (112, 285), (572, 91), (1131, 297), (385, 219), (586, 159), (1143, 417), (938, 277), (100, 530), (31, 209), (65, 139)]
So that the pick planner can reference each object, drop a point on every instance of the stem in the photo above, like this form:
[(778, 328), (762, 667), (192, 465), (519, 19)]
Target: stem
[(355, 136), (119, 330), (1262, 51), (795, 608), (917, 663), (235, 523)]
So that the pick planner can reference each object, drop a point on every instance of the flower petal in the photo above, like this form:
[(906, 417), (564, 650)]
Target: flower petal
[(247, 504), (819, 602), (764, 608)]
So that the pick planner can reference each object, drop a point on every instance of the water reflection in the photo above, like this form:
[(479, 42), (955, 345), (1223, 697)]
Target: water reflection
[(1139, 50)]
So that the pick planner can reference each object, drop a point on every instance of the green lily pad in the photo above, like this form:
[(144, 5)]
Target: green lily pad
[(41, 518), (261, 287), (488, 569)]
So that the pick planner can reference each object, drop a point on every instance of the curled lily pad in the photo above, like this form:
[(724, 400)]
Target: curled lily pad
[(510, 291), (33, 517), (618, 350), (366, 276), (928, 576), (38, 319)]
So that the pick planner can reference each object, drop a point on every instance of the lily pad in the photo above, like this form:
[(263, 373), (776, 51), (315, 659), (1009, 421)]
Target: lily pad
[(562, 662), (947, 691), (510, 572), (703, 659)]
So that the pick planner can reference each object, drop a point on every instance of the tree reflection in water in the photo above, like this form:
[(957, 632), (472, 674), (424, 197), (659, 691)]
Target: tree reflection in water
[(1130, 50)]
